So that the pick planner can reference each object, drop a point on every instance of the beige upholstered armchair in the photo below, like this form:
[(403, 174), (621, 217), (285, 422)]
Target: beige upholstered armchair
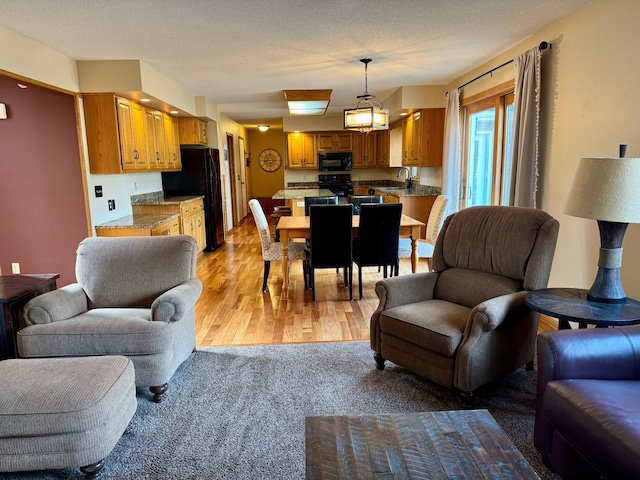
[(466, 324), (134, 296)]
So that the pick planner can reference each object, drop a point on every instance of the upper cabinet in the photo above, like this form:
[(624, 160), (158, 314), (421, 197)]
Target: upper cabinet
[(193, 131), (334, 141), (418, 139), (364, 150), (301, 150), (125, 137), (382, 148), (432, 141)]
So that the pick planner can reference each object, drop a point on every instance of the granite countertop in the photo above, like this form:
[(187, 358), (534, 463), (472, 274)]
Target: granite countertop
[(158, 198), (139, 220), (418, 191), (293, 193)]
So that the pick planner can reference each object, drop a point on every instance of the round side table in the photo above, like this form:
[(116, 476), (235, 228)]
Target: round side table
[(571, 305)]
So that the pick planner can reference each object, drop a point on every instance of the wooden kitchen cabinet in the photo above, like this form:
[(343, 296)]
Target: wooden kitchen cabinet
[(334, 141), (171, 142), (382, 147), (190, 222), (301, 150), (414, 206), (193, 131), (364, 150), (140, 226), (432, 141), (412, 139), (125, 137)]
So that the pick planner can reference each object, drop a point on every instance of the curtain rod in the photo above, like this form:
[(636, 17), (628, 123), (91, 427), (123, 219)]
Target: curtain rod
[(542, 46)]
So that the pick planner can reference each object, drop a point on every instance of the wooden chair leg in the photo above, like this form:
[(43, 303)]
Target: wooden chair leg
[(267, 267)]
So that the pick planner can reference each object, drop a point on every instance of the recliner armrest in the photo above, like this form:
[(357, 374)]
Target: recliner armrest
[(405, 289), (489, 314), (600, 353), (173, 304), (61, 304)]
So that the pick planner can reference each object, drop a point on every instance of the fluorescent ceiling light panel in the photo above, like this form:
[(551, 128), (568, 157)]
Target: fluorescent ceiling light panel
[(307, 102)]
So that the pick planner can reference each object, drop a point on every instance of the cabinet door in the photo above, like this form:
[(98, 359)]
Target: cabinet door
[(325, 142), (200, 230), (152, 148), (432, 137), (172, 147), (301, 151), (125, 131), (364, 150), (411, 140), (160, 141), (139, 135), (382, 148), (334, 141)]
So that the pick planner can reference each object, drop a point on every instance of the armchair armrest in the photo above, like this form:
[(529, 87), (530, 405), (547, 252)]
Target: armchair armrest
[(396, 291), (174, 303), (597, 353), (499, 337), (61, 304), (405, 289)]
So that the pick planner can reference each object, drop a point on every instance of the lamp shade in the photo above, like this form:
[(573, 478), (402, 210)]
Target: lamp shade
[(606, 189)]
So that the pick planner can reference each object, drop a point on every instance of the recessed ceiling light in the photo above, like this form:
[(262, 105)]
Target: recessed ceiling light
[(307, 102), (146, 100), (22, 85), (174, 112)]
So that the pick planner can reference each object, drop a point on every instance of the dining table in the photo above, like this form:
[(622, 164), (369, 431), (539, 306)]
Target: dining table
[(298, 226)]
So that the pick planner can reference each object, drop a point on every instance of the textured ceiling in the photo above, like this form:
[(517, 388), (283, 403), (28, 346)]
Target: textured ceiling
[(243, 53)]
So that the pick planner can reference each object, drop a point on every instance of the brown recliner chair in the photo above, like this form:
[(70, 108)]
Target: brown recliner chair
[(466, 324)]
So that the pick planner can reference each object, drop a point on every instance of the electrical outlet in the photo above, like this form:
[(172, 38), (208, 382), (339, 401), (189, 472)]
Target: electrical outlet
[(112, 204), (15, 268)]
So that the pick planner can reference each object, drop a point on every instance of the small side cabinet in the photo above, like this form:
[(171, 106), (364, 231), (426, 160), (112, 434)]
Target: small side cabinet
[(15, 292)]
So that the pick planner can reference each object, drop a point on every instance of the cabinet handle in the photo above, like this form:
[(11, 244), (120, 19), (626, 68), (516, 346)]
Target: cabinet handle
[(157, 155), (135, 154)]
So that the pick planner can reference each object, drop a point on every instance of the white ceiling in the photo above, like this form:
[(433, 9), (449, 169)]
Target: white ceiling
[(243, 53)]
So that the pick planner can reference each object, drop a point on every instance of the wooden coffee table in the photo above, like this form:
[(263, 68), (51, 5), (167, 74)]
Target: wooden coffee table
[(432, 445)]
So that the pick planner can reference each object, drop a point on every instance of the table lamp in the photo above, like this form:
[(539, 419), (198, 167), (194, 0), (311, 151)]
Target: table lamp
[(607, 190)]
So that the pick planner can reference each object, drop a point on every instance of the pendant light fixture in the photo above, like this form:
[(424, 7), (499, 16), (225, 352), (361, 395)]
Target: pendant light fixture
[(366, 115)]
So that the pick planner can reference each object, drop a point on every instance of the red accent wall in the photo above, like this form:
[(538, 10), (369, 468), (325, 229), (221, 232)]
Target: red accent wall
[(42, 208)]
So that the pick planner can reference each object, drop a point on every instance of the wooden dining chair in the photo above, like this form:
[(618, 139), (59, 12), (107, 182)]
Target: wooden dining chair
[(330, 242), (434, 224), (377, 242), (328, 200), (273, 250), (357, 200)]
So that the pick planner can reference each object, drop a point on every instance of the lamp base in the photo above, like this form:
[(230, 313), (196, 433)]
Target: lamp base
[(607, 287)]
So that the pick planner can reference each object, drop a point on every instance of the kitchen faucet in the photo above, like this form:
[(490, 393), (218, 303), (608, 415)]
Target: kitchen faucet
[(409, 178)]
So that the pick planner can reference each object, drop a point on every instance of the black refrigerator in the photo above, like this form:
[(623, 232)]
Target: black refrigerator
[(200, 175)]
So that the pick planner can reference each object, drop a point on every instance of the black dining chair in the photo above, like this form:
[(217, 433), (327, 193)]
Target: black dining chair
[(357, 200), (377, 242), (330, 242), (308, 201)]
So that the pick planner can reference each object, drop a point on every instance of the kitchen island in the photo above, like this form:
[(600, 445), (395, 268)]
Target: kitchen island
[(294, 197)]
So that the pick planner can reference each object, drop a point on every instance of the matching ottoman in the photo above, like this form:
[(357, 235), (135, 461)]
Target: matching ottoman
[(60, 413)]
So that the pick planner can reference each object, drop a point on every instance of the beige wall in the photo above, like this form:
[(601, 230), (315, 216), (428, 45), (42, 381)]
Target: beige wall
[(590, 104), (265, 184)]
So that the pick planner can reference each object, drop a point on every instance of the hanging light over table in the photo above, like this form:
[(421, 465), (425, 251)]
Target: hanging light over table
[(366, 115)]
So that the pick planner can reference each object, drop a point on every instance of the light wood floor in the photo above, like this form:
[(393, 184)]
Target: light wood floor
[(233, 311)]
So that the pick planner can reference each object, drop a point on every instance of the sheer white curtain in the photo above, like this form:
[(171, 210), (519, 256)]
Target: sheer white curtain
[(524, 155), (451, 166)]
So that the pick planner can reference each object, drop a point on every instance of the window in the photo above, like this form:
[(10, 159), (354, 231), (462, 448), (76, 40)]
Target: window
[(488, 138)]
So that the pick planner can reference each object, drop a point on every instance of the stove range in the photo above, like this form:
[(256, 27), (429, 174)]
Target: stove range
[(339, 184)]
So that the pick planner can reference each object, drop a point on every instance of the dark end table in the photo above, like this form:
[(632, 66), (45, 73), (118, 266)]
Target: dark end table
[(571, 305), (15, 292)]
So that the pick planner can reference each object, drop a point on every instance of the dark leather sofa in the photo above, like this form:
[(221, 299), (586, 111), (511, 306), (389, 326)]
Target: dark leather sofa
[(587, 422)]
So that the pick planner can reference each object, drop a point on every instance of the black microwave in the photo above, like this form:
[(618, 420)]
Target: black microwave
[(331, 161)]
